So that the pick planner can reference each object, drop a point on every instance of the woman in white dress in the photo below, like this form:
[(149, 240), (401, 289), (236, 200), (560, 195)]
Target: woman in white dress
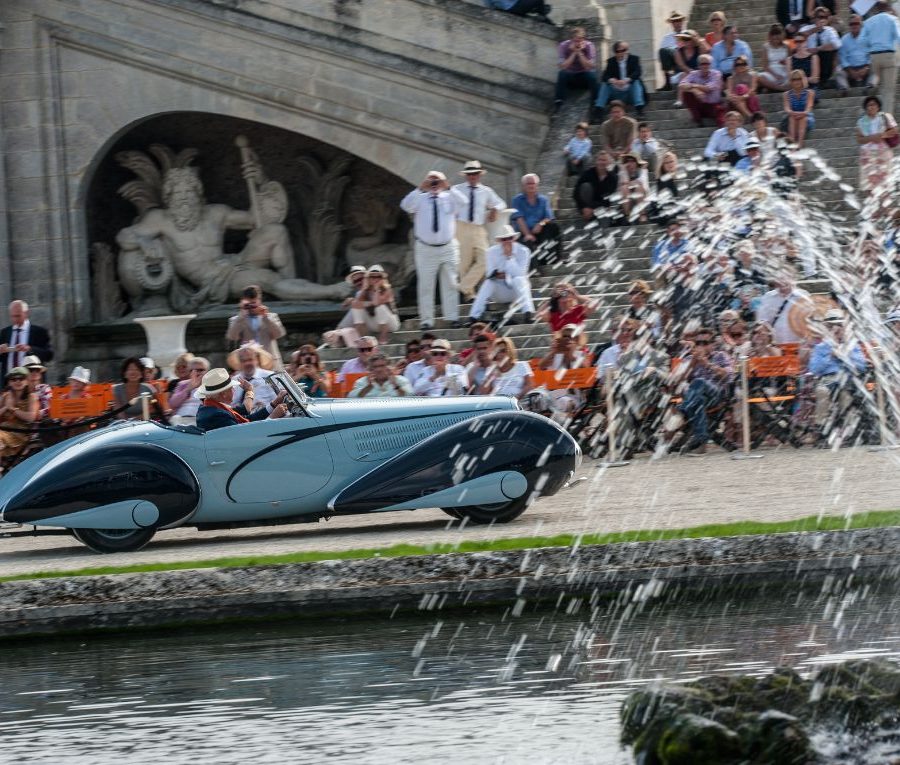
[(509, 377), (775, 60)]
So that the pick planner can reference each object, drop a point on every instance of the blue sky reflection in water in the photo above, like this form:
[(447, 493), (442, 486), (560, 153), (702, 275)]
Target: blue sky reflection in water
[(541, 688)]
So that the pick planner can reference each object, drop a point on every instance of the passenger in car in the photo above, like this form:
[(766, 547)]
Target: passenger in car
[(214, 412)]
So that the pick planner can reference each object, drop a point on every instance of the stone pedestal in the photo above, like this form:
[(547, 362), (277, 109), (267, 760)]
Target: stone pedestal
[(165, 338)]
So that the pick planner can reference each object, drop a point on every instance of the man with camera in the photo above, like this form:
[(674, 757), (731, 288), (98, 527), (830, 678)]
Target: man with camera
[(433, 208), (507, 277), (254, 324)]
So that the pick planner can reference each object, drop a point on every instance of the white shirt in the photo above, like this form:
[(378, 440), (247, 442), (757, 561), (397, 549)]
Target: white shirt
[(191, 404), (514, 266), (485, 199), (668, 41), (421, 205), (353, 367), (720, 142), (413, 371), (263, 394), (610, 357), (452, 383), (825, 36), (770, 305), (512, 381), (387, 389), (15, 358)]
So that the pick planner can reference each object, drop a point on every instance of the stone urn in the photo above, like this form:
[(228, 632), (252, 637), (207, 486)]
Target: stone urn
[(165, 339)]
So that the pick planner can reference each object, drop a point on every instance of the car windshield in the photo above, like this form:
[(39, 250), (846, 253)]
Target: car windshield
[(298, 402)]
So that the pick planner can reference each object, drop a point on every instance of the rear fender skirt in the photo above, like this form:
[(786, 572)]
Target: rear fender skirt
[(499, 442), (490, 489), (132, 485)]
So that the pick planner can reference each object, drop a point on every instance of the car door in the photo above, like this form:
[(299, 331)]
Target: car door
[(269, 461)]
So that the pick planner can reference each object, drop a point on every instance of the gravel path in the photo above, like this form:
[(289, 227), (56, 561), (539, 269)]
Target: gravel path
[(671, 493)]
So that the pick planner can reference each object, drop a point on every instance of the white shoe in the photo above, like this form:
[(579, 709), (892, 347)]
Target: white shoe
[(678, 105)]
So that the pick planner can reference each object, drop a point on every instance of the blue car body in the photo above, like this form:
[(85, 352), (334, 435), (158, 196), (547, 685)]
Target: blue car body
[(475, 457)]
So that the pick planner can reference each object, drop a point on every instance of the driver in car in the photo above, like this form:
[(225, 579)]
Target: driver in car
[(214, 412)]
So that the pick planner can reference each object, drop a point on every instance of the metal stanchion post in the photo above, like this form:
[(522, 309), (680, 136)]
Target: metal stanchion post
[(886, 438), (744, 454), (609, 382), (145, 407)]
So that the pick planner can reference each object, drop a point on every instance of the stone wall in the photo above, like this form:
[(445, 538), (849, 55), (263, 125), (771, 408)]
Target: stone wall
[(405, 85)]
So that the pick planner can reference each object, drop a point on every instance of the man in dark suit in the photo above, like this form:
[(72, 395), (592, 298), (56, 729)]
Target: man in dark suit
[(22, 338), (215, 412), (621, 80), (791, 14)]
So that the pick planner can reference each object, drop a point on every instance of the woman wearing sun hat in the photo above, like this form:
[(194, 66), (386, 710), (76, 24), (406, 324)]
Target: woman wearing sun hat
[(373, 306), (36, 382), (18, 409)]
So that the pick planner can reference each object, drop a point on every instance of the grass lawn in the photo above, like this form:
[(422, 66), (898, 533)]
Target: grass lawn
[(878, 519)]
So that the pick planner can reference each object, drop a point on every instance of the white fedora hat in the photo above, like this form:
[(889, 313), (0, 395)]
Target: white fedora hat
[(472, 167), (215, 381), (507, 232), (32, 363)]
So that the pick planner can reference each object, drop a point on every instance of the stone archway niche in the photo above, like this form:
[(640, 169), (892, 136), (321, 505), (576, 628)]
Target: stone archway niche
[(316, 206)]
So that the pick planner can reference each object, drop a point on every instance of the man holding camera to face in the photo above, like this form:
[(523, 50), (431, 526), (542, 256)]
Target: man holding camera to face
[(433, 208), (254, 324)]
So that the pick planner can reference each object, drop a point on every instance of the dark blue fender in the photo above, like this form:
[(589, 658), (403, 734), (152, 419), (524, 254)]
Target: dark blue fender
[(493, 443), (131, 472)]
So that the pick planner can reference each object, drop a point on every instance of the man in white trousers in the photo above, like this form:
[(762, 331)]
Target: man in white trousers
[(433, 208), (476, 204), (507, 276)]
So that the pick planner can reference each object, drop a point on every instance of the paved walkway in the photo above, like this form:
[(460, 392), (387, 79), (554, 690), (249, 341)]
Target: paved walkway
[(671, 493)]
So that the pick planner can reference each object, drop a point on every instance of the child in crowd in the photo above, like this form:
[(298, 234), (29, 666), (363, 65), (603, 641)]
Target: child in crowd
[(578, 150), (645, 146)]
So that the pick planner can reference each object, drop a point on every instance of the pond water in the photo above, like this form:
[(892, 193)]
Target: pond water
[(462, 687)]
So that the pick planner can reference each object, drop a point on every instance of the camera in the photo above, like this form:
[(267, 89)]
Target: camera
[(434, 183), (554, 304)]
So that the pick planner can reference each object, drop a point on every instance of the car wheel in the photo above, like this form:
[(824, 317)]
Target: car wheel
[(499, 512), (114, 540)]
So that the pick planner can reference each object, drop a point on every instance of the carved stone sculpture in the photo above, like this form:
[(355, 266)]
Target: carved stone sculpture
[(376, 219), (176, 246)]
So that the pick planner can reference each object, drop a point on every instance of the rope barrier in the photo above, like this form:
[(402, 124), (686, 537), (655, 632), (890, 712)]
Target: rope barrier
[(39, 428)]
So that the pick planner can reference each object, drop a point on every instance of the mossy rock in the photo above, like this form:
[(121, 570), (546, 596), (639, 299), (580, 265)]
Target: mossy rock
[(775, 738), (692, 739)]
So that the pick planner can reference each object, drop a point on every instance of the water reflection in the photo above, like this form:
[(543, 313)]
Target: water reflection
[(488, 687)]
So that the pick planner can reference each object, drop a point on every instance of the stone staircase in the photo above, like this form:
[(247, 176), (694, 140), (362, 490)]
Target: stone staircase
[(604, 273)]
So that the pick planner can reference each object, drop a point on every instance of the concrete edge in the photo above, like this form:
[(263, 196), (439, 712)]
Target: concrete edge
[(571, 579)]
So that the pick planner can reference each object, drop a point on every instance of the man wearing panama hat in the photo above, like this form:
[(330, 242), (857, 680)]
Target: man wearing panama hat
[(667, 47), (507, 276), (476, 204), (253, 363), (214, 412)]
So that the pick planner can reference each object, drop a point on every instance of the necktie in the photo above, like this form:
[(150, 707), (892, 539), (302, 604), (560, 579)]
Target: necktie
[(471, 204), (14, 356), (434, 215)]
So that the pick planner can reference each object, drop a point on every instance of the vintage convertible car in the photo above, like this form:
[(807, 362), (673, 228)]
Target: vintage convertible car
[(478, 458)]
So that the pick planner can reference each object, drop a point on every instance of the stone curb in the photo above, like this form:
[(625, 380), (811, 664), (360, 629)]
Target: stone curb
[(429, 582)]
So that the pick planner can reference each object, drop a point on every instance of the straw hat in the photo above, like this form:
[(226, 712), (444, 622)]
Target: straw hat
[(376, 269), (629, 155), (33, 363), (265, 358), (834, 316), (441, 344), (215, 381), (472, 167), (676, 16), (17, 372), (147, 362), (81, 374)]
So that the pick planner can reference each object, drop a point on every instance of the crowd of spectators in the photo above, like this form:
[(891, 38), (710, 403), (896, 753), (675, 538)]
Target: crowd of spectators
[(677, 347)]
